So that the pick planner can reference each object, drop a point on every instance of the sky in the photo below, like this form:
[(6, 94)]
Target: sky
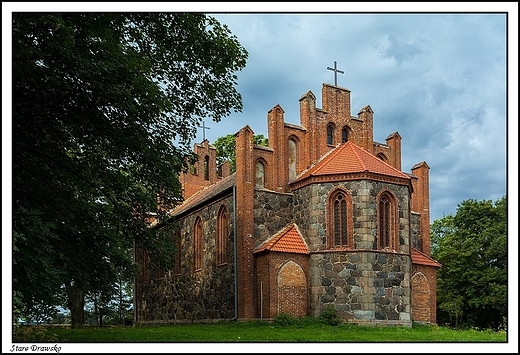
[(437, 79), (442, 75), (440, 79)]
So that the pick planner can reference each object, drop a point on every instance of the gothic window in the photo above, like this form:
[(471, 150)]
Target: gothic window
[(222, 235), (193, 169), (292, 153), (206, 167), (386, 221), (340, 220), (260, 174), (197, 245), (344, 135), (177, 266), (330, 134), (381, 156)]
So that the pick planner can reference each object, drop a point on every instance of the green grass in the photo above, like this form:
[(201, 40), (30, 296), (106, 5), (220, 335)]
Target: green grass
[(312, 331)]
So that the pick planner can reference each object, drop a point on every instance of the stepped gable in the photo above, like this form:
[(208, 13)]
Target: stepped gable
[(348, 158), (288, 240), (205, 194), (423, 259)]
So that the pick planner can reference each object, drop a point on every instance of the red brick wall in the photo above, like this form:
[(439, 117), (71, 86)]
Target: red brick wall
[(394, 142), (421, 202), (424, 297), (311, 135), (245, 182), (194, 180), (286, 291)]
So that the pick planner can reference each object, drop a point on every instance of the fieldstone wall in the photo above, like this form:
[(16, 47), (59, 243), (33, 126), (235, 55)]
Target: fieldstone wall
[(272, 213), (204, 295), (310, 213), (415, 224), (364, 287), (363, 284)]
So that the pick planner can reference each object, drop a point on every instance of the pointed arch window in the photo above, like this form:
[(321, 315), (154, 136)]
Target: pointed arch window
[(260, 174), (197, 245), (340, 220), (222, 236), (330, 134), (178, 253), (382, 156), (293, 157), (387, 216), (206, 167), (344, 135)]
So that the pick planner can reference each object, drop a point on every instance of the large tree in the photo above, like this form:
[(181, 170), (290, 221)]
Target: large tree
[(472, 248), (105, 106), (225, 147)]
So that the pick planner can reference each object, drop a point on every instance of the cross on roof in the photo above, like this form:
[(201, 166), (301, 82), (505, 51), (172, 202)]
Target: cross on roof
[(336, 71), (204, 128)]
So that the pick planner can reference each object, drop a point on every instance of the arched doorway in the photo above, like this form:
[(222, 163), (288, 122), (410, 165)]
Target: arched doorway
[(421, 298), (292, 290)]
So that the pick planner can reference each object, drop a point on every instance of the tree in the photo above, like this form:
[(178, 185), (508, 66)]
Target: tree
[(225, 146), (472, 248), (105, 106)]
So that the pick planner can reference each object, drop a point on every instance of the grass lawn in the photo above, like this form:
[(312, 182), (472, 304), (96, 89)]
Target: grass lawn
[(256, 331)]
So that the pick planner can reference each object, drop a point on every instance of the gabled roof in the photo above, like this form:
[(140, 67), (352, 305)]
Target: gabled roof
[(205, 194), (288, 240), (423, 259), (348, 158)]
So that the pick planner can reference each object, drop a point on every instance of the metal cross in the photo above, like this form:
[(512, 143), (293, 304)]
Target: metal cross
[(204, 128), (336, 71)]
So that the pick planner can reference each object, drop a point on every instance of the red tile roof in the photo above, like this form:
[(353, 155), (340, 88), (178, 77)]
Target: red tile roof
[(205, 194), (423, 259), (349, 158), (288, 240)]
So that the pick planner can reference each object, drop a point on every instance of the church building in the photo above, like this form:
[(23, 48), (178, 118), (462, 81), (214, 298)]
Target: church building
[(321, 217)]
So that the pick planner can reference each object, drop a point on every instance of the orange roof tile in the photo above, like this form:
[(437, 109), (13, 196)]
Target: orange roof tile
[(349, 158), (423, 259), (288, 240), (205, 194)]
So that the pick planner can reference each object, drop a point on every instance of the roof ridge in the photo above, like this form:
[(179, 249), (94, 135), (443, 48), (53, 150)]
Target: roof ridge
[(279, 237), (355, 151), (429, 258), (329, 155), (379, 160), (197, 194)]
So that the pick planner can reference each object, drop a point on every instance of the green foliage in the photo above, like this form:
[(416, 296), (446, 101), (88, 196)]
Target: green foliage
[(284, 319), (264, 331), (34, 264), (105, 106), (472, 248), (330, 316), (225, 147), (33, 334)]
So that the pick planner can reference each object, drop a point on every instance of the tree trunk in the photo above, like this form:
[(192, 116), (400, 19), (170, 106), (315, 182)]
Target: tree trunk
[(76, 304)]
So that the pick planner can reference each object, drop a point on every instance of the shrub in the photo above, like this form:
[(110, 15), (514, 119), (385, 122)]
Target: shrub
[(330, 316), (285, 319), (33, 333)]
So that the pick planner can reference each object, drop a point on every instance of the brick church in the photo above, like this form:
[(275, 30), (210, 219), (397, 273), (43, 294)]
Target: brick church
[(321, 217)]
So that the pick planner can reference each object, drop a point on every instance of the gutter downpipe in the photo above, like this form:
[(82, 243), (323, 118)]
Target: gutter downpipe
[(235, 249)]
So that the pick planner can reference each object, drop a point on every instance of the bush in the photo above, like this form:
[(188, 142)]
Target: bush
[(32, 333), (330, 316), (285, 319)]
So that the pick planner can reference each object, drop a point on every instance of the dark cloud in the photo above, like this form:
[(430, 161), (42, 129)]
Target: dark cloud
[(399, 50), (437, 79)]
